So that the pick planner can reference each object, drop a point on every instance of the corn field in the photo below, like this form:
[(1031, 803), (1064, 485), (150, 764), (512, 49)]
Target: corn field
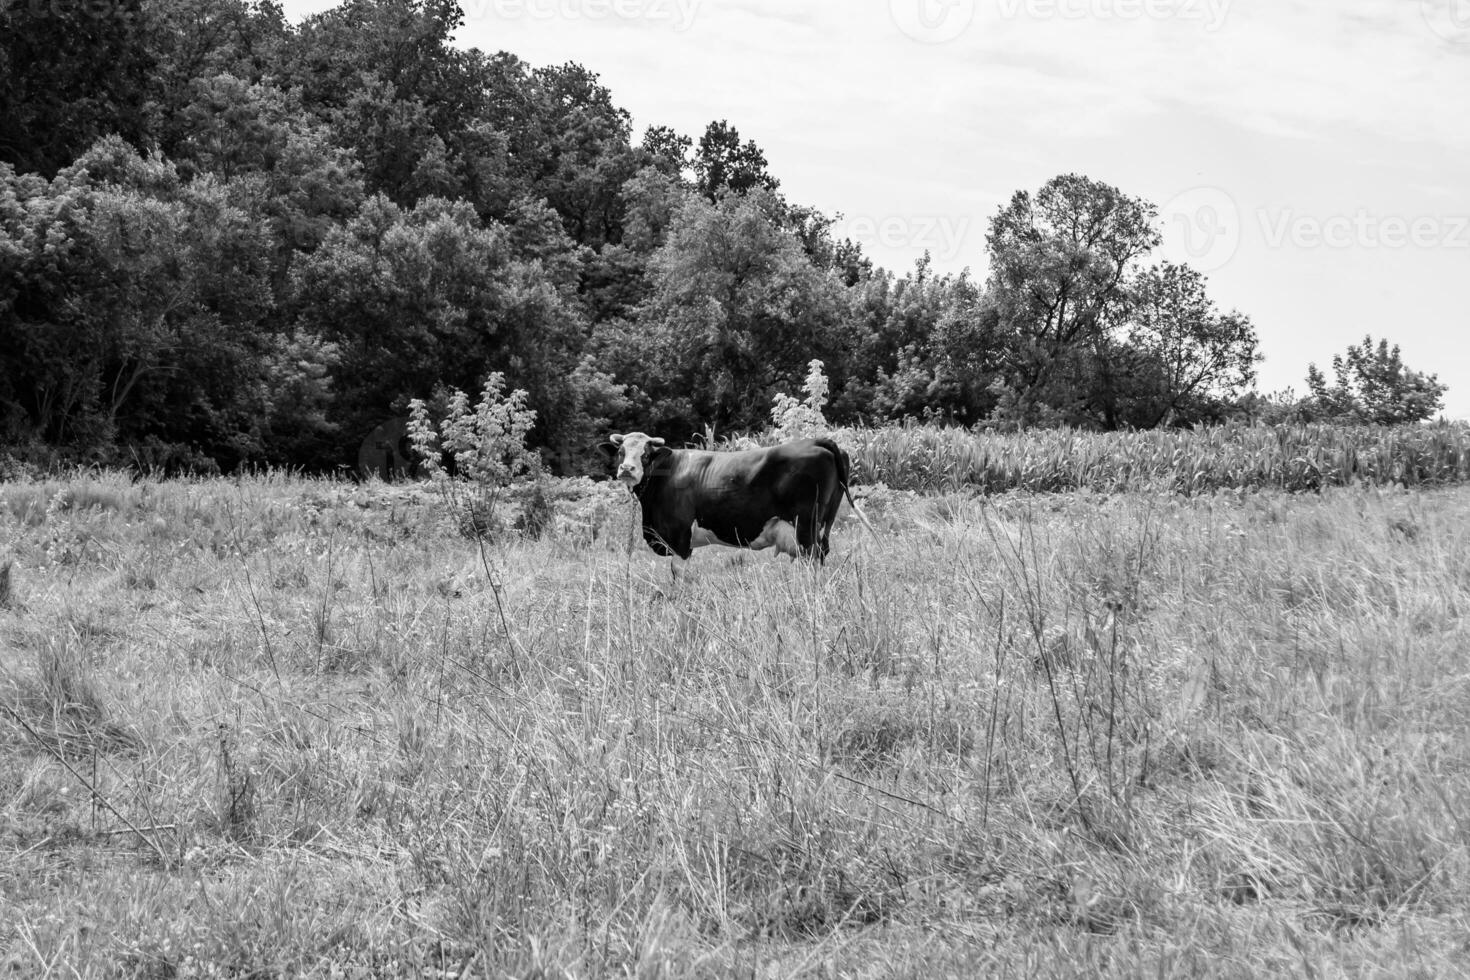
[(1287, 457)]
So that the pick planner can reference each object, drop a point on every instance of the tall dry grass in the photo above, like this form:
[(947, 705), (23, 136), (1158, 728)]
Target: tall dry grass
[(311, 729)]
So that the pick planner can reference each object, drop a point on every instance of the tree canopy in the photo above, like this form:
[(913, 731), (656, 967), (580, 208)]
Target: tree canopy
[(1372, 385), (226, 239)]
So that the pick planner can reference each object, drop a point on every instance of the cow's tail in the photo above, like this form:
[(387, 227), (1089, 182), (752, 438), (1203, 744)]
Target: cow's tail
[(844, 469)]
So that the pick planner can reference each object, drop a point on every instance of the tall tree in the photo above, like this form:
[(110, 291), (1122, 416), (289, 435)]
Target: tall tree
[(384, 76), (433, 294), (276, 161), (69, 74), (135, 313), (723, 162), (1059, 262), (1182, 355), (668, 150), (925, 346), (191, 40), (584, 156), (736, 310), (402, 43)]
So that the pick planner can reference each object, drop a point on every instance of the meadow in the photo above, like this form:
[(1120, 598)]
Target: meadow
[(274, 726)]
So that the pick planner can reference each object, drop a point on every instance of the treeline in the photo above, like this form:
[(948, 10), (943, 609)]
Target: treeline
[(225, 239)]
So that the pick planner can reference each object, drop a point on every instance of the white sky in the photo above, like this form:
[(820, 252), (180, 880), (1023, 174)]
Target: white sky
[(1312, 157)]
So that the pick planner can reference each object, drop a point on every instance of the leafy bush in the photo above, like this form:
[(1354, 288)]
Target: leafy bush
[(797, 418), (487, 445), (1373, 385), (487, 442)]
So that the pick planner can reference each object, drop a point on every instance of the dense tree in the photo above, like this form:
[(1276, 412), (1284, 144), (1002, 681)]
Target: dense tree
[(69, 74), (123, 323), (735, 312), (227, 238), (191, 40), (411, 107), (1372, 384), (402, 44), (276, 161), (723, 163), (586, 156), (925, 347), (1182, 357), (1059, 263), (668, 150), (432, 294)]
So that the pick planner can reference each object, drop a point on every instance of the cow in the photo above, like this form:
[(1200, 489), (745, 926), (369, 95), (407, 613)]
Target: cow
[(784, 497)]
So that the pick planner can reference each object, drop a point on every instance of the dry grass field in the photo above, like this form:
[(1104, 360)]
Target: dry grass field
[(281, 727)]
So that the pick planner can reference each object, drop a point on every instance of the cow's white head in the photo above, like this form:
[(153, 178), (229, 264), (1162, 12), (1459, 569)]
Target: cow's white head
[(634, 450)]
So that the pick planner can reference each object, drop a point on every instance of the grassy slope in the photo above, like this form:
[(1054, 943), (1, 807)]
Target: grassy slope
[(1071, 735)]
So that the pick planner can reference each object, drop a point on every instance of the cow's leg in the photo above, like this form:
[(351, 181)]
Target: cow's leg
[(680, 548), (828, 511), (808, 536), (675, 544), (813, 536), (824, 539), (814, 521)]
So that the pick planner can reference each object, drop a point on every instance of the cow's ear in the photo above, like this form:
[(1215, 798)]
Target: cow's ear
[(616, 439), (658, 459)]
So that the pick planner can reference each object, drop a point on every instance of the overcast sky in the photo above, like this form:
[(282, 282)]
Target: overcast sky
[(1312, 158)]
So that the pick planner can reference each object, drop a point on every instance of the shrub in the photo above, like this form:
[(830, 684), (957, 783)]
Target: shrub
[(795, 418), (487, 444)]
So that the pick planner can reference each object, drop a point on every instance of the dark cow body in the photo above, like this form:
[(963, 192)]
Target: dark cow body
[(786, 496)]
